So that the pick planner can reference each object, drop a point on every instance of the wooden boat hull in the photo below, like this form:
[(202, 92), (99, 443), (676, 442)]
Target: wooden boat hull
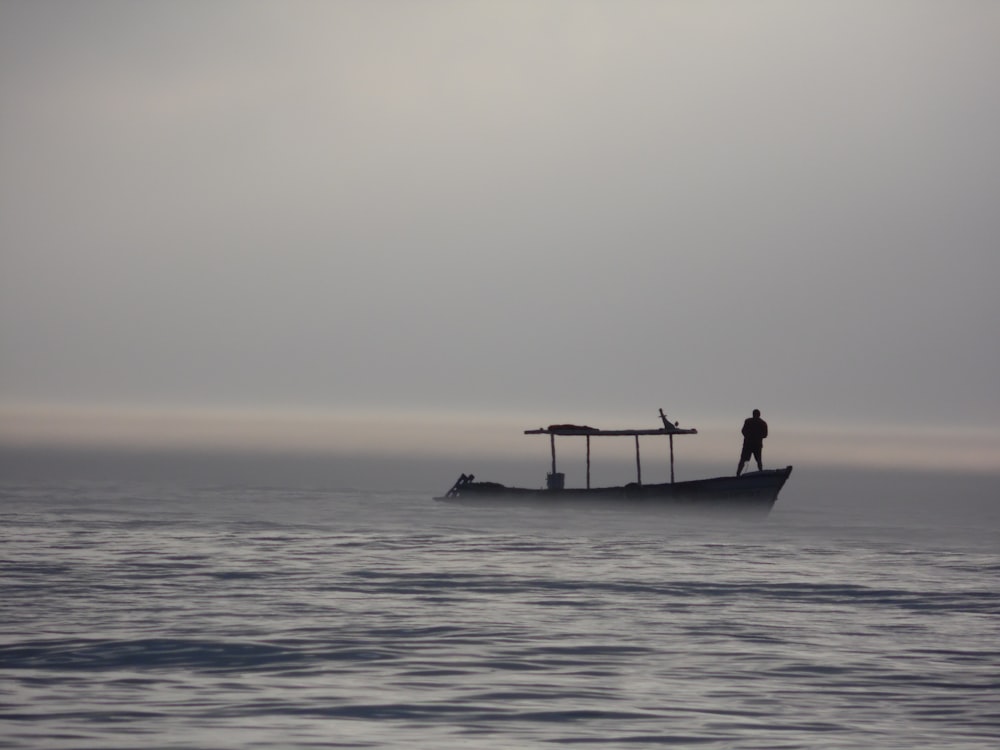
[(754, 492)]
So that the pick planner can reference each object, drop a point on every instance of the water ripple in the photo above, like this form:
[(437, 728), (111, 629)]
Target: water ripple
[(221, 620)]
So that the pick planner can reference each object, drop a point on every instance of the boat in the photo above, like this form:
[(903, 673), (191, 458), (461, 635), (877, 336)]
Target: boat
[(753, 492)]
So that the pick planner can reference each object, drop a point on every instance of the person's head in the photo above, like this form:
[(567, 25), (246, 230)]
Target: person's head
[(756, 412)]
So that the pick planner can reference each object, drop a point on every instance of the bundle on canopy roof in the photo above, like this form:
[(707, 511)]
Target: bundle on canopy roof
[(566, 429)]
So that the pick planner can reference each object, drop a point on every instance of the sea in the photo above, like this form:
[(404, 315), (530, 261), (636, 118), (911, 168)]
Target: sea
[(864, 612)]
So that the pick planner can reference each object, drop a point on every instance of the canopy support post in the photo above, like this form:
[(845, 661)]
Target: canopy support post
[(588, 462), (552, 440), (638, 464), (671, 459)]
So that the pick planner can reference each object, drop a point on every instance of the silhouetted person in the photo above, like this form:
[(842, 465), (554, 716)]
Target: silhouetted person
[(754, 432)]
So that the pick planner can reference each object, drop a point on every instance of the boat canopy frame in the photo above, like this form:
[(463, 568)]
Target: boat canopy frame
[(567, 430)]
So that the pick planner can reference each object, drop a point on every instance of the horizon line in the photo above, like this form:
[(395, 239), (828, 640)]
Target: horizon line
[(484, 434)]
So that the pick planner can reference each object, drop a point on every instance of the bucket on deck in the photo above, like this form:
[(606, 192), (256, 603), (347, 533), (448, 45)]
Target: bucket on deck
[(555, 481)]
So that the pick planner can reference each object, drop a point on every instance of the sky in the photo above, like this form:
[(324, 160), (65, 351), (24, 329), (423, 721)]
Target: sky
[(430, 225)]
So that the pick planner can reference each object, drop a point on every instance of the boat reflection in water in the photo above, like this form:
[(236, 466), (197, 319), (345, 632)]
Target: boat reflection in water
[(752, 492)]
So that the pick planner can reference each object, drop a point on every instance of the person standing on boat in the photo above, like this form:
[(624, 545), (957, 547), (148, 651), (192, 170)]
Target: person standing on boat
[(754, 432)]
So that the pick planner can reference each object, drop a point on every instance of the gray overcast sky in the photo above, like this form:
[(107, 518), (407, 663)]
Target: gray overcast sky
[(563, 208)]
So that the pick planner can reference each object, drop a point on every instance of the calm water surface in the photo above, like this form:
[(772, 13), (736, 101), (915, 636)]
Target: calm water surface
[(162, 616)]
